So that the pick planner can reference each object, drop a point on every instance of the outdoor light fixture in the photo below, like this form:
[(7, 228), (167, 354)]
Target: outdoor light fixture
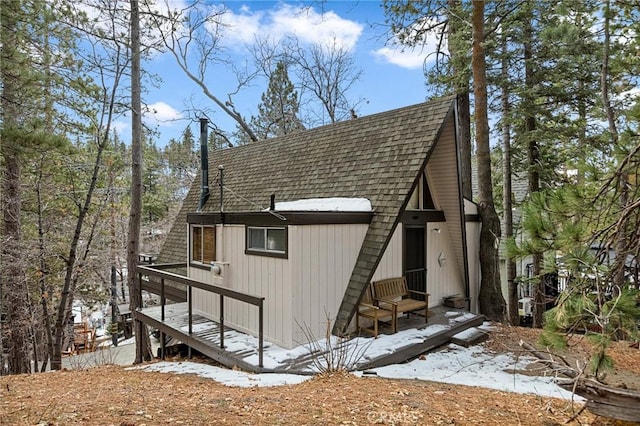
[(215, 268), (441, 259)]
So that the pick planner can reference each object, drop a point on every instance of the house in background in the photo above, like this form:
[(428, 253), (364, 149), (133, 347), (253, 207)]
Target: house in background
[(304, 222)]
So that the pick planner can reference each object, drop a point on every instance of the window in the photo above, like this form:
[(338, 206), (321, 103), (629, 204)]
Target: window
[(267, 240), (203, 244)]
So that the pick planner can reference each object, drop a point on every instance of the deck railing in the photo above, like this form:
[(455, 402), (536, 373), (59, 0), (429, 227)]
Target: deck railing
[(416, 280), (158, 271)]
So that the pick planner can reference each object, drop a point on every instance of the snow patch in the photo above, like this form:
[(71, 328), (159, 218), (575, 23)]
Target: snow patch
[(336, 204), (225, 376)]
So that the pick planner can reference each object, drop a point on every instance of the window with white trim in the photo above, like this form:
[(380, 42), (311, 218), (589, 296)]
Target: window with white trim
[(203, 244), (267, 240)]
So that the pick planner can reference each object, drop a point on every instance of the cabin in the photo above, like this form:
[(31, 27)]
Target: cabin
[(281, 236)]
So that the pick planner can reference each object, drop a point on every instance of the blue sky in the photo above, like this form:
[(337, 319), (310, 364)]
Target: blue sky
[(391, 78)]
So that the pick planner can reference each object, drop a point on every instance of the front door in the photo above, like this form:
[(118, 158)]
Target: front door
[(414, 259)]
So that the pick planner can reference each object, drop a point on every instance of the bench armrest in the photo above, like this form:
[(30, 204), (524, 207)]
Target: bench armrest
[(419, 292), (368, 306), (390, 306), (387, 300)]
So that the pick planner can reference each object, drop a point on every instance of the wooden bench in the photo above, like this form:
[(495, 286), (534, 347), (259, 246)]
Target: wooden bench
[(394, 291), (368, 310)]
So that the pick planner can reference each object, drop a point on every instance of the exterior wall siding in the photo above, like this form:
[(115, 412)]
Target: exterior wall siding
[(268, 277), (473, 250), (442, 175), (300, 292), (442, 280), (322, 262), (391, 263)]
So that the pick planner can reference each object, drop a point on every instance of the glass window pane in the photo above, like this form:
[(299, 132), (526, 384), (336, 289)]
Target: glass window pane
[(275, 239), (209, 244), (196, 243), (256, 238)]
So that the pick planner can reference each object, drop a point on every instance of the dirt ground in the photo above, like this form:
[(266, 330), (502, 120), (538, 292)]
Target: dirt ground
[(111, 395)]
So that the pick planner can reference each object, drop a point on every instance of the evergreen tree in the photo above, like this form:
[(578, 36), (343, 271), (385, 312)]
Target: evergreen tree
[(181, 164), (40, 83), (278, 111)]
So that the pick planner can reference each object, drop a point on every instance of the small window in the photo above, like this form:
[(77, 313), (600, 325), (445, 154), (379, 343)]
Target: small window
[(267, 240), (203, 244)]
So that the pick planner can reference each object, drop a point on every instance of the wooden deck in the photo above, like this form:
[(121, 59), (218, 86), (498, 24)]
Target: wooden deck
[(205, 338), (451, 321)]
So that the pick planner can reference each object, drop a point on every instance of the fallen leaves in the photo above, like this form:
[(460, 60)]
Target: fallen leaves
[(114, 396)]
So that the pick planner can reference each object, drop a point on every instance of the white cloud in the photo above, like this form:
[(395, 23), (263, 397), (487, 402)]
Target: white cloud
[(404, 57), (413, 57), (158, 114), (305, 23), (122, 128), (242, 27), (161, 113)]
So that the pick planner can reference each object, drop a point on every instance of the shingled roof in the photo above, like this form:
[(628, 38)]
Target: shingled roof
[(378, 157)]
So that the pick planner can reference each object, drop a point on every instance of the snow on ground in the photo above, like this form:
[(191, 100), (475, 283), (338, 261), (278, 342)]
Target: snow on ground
[(226, 376), (454, 364), (473, 366)]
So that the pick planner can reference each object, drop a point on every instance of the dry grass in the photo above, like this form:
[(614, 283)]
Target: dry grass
[(111, 395)]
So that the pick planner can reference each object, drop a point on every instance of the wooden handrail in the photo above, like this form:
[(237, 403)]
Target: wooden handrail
[(158, 272)]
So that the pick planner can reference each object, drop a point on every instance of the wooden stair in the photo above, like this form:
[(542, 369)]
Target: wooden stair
[(434, 341)]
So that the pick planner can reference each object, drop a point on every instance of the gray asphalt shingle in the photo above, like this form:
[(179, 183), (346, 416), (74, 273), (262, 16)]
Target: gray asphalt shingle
[(377, 157)]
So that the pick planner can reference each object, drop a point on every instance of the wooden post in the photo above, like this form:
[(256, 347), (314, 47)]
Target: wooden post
[(162, 347), (190, 304), (162, 299), (222, 321), (260, 333)]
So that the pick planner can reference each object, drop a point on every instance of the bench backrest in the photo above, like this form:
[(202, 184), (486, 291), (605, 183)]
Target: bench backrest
[(367, 297), (391, 287)]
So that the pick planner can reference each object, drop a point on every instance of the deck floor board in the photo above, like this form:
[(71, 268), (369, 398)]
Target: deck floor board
[(205, 337)]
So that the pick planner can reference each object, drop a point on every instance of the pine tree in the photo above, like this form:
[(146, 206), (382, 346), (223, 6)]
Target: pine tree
[(278, 111), (180, 165)]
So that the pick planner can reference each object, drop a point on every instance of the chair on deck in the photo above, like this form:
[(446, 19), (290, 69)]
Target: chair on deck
[(369, 310), (394, 292)]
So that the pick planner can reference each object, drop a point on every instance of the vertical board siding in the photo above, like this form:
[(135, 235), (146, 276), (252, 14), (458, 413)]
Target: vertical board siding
[(268, 277), (301, 293), (391, 263), (202, 300), (304, 291), (323, 257), (473, 249), (442, 173), (445, 280)]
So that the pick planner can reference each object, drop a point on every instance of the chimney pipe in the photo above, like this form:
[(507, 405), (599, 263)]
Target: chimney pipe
[(204, 163), (272, 204)]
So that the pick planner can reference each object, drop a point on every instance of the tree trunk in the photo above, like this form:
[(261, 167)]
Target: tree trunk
[(533, 160), (43, 273), (620, 242), (143, 344), (491, 301), (463, 105), (13, 332), (512, 286)]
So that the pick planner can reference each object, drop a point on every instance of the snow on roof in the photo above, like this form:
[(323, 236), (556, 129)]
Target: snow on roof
[(335, 204)]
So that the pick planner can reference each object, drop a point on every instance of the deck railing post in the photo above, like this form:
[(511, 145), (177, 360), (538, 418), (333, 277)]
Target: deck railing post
[(162, 347), (190, 304), (162, 299), (260, 336), (222, 321), (169, 327), (140, 290)]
